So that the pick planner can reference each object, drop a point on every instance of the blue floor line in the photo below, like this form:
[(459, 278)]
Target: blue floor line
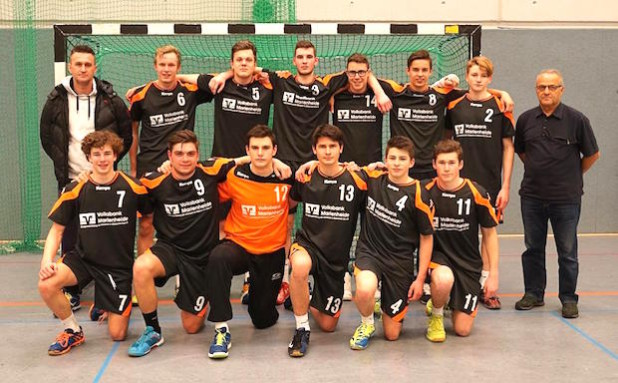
[(108, 359), (586, 336)]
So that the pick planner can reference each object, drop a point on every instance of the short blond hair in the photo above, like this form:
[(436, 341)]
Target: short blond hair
[(483, 63), (166, 49)]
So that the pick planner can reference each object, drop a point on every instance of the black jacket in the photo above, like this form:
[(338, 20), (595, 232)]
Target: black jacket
[(110, 113)]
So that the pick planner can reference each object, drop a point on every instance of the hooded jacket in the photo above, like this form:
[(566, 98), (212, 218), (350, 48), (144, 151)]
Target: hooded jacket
[(110, 112)]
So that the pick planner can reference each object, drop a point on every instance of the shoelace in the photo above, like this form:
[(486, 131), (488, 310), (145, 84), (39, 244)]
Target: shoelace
[(220, 338), (298, 337), (363, 331), (63, 338)]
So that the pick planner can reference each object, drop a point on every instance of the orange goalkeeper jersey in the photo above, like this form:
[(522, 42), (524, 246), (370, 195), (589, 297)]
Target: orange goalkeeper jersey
[(258, 218)]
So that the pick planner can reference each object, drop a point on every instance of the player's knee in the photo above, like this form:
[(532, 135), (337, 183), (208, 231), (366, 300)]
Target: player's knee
[(193, 327), (47, 287), (462, 330), (142, 270), (442, 276), (301, 266), (118, 334), (391, 334), (328, 325), (364, 293)]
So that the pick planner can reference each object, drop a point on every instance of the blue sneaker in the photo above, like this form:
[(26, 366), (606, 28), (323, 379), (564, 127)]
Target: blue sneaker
[(65, 341), (221, 345), (360, 339), (146, 342), (300, 342)]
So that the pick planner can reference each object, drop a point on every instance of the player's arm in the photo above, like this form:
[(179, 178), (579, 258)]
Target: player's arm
[(505, 97), (282, 171), (188, 78), (383, 103), (490, 241), (305, 168), (144, 237), (133, 150), (450, 81), (508, 155), (424, 258), (125, 129), (52, 244)]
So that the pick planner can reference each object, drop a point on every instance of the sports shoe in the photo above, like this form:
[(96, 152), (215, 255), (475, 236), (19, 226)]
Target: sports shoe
[(244, 296), (435, 329), (220, 346), (426, 294), (135, 302), (569, 310), (492, 303), (65, 341), (347, 287), (528, 302), (377, 309), (146, 342), (360, 339), (300, 342), (96, 314), (429, 308), (284, 293)]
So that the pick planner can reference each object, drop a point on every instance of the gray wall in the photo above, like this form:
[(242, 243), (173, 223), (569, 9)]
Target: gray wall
[(587, 61)]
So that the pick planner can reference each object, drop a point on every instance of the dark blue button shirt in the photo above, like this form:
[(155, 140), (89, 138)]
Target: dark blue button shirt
[(553, 146)]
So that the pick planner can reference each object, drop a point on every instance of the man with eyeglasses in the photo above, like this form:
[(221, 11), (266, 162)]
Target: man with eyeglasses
[(557, 146)]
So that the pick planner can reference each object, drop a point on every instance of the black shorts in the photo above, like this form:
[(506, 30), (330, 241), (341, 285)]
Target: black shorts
[(327, 279), (395, 280), (112, 287), (192, 294), (466, 289)]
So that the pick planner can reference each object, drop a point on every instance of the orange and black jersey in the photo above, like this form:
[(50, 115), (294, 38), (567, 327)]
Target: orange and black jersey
[(298, 109), (106, 216), (162, 112), (394, 218), (186, 211), (258, 218), (480, 127), (238, 108), (361, 122), (420, 117), (457, 217), (331, 208)]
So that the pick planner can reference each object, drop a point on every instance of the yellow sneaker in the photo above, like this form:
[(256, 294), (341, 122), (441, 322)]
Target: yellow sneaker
[(435, 329), (429, 308), (360, 339)]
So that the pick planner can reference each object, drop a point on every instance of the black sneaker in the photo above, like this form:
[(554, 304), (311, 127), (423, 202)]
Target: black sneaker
[(300, 342), (528, 302), (569, 310)]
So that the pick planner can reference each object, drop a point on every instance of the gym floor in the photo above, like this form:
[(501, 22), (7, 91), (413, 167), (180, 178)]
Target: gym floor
[(506, 345)]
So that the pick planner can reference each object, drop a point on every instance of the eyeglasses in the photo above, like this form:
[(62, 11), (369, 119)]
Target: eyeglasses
[(553, 88), (354, 73)]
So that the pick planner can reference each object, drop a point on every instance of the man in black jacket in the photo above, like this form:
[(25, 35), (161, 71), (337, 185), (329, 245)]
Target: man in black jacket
[(80, 105)]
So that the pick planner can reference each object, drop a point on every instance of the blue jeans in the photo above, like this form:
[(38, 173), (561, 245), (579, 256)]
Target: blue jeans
[(564, 218)]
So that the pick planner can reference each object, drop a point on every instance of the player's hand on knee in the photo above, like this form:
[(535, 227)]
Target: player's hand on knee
[(48, 269), (415, 291)]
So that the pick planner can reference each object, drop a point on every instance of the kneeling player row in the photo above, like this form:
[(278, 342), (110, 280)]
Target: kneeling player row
[(398, 222)]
